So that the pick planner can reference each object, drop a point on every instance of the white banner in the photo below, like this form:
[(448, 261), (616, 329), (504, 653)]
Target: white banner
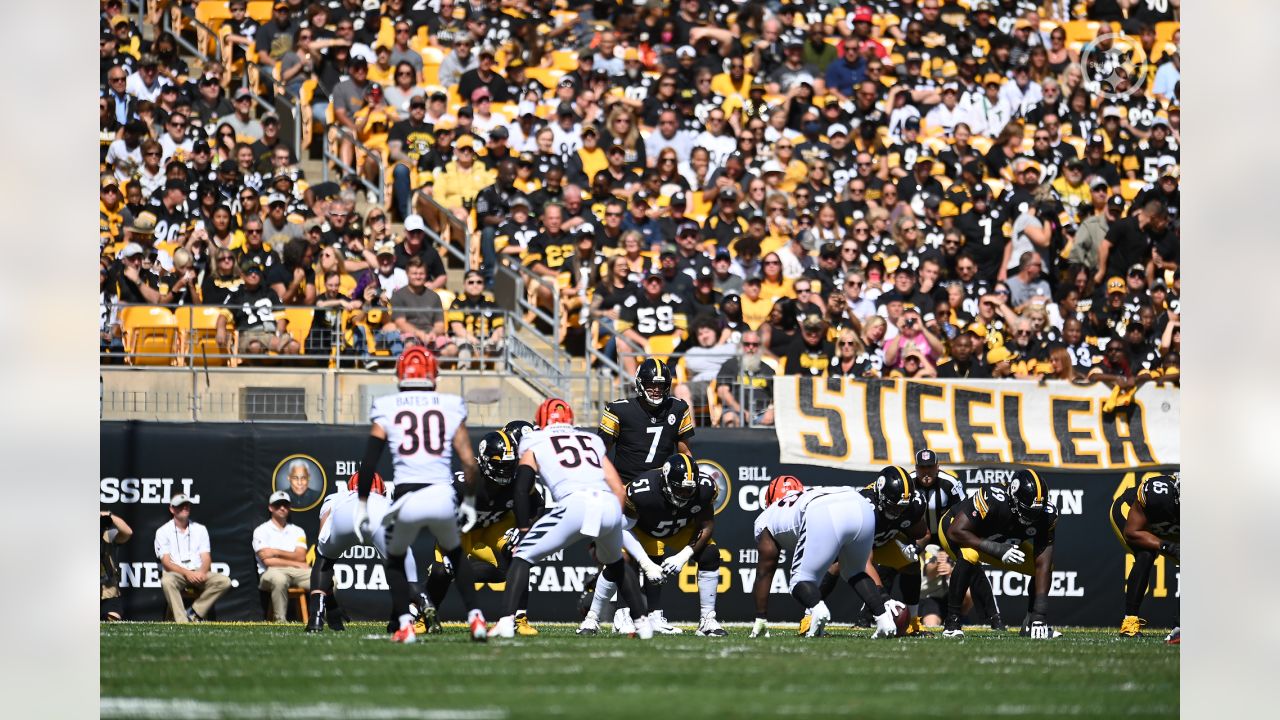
[(866, 424)]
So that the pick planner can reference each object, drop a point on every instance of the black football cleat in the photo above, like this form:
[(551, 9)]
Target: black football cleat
[(951, 627), (997, 623), (315, 623)]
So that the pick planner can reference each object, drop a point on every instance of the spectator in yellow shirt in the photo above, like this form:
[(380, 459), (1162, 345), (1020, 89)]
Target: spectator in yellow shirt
[(735, 83), (462, 179)]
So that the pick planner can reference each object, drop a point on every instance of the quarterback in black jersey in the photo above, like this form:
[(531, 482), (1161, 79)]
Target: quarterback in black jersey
[(1012, 528), (674, 507), (644, 431), (1146, 519), (488, 545), (900, 524)]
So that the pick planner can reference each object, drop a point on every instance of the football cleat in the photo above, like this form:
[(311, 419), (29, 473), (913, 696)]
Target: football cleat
[(709, 627), (997, 623), (1131, 626), (951, 627), (658, 622), (334, 615), (622, 624), (405, 635), (523, 627), (1174, 637), (1039, 630), (479, 631), (804, 624), (820, 616), (642, 628), (505, 627), (916, 627), (590, 624), (315, 623)]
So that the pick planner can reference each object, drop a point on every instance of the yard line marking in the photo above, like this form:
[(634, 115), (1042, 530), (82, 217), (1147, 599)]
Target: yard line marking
[(164, 709)]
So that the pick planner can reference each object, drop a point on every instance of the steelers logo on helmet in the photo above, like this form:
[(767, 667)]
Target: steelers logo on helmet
[(893, 491), (1028, 495), (679, 479), (496, 456), (653, 381), (516, 430)]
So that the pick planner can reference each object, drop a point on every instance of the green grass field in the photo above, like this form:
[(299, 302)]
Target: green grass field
[(228, 670)]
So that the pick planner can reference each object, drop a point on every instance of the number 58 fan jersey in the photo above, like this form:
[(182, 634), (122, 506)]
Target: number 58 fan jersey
[(420, 427)]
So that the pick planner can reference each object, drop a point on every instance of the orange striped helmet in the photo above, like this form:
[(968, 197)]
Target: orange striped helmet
[(417, 368), (378, 487), (780, 487), (553, 411)]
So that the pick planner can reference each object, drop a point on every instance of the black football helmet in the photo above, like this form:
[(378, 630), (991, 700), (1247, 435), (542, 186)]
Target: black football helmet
[(516, 430), (653, 381), (894, 491), (496, 456), (679, 479), (1028, 495)]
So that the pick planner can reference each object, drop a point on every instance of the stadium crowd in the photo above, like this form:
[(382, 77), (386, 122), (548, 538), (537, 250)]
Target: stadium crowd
[(893, 188)]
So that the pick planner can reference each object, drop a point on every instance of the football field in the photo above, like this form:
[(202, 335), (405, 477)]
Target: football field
[(248, 670)]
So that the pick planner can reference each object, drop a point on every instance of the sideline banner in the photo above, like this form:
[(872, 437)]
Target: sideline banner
[(230, 469), (865, 424)]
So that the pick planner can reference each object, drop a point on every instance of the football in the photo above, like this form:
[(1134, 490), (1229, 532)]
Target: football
[(902, 619)]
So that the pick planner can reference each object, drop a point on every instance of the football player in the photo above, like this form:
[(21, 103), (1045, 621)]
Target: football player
[(673, 507), (900, 525), (942, 491), (424, 430), (488, 544), (589, 498), (516, 430), (338, 535), (817, 526), (1011, 527), (1146, 519), (645, 430)]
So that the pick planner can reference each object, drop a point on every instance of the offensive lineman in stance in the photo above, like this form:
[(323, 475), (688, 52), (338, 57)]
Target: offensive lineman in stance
[(1011, 528), (817, 526), (1150, 526), (338, 535), (589, 499), (424, 429)]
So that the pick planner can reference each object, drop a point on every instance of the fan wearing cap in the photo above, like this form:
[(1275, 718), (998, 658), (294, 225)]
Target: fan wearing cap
[(461, 180), (248, 129), (280, 548), (1093, 229), (258, 316), (656, 310), (373, 123), (1132, 241), (1158, 152), (1121, 144), (185, 555), (620, 178)]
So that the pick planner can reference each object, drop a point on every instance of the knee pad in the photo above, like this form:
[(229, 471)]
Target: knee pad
[(613, 571), (710, 558)]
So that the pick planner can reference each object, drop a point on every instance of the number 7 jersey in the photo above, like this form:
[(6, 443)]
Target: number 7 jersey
[(420, 426), (568, 459)]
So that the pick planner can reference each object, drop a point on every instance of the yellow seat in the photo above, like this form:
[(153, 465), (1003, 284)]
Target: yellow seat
[(661, 346), (198, 328), (150, 331), (259, 10), (714, 408), (299, 319), (1129, 189), (564, 60), (1165, 31)]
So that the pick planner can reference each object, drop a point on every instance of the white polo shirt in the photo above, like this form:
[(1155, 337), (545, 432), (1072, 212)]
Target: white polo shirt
[(269, 535), (182, 547)]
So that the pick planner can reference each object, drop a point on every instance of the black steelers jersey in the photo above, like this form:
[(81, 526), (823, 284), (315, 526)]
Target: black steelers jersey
[(946, 492), (992, 517), (498, 502), (659, 518), (1159, 501), (887, 528), (643, 437)]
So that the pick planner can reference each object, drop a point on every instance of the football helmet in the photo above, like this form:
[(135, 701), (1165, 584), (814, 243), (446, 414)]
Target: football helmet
[(553, 411), (496, 456), (679, 479), (653, 381), (780, 487), (516, 430), (417, 368), (893, 490), (1028, 495), (378, 486)]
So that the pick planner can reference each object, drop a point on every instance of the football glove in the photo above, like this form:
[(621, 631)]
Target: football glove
[(672, 565), (1172, 549), (361, 520), (910, 552), (1013, 555), (512, 537), (885, 626), (653, 572), (760, 628), (467, 514)]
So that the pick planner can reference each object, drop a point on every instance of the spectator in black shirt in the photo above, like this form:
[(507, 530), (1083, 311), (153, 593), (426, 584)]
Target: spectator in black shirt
[(415, 245), (1130, 240), (963, 362)]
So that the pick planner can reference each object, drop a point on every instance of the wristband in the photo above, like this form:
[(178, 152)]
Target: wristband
[(992, 548)]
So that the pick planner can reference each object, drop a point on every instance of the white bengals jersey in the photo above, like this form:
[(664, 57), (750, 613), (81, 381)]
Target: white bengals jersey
[(568, 459), (946, 492), (420, 426), (782, 519)]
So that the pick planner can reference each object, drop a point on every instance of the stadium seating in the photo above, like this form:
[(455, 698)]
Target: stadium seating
[(150, 335)]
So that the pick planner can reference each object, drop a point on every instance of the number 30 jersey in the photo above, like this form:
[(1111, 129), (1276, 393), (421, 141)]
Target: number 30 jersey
[(420, 426), (568, 459)]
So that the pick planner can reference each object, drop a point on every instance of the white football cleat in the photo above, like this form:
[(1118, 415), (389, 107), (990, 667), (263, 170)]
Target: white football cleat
[(643, 629), (590, 624), (818, 620), (660, 625), (709, 627), (505, 627), (479, 632), (622, 624), (405, 634)]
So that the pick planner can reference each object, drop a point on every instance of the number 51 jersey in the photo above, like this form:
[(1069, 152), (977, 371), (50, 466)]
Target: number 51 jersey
[(420, 426), (569, 459)]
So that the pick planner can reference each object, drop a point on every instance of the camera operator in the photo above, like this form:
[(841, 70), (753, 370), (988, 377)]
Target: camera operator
[(913, 337), (112, 531)]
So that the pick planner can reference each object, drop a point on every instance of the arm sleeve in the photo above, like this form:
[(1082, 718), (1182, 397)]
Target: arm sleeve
[(523, 487), (372, 453)]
